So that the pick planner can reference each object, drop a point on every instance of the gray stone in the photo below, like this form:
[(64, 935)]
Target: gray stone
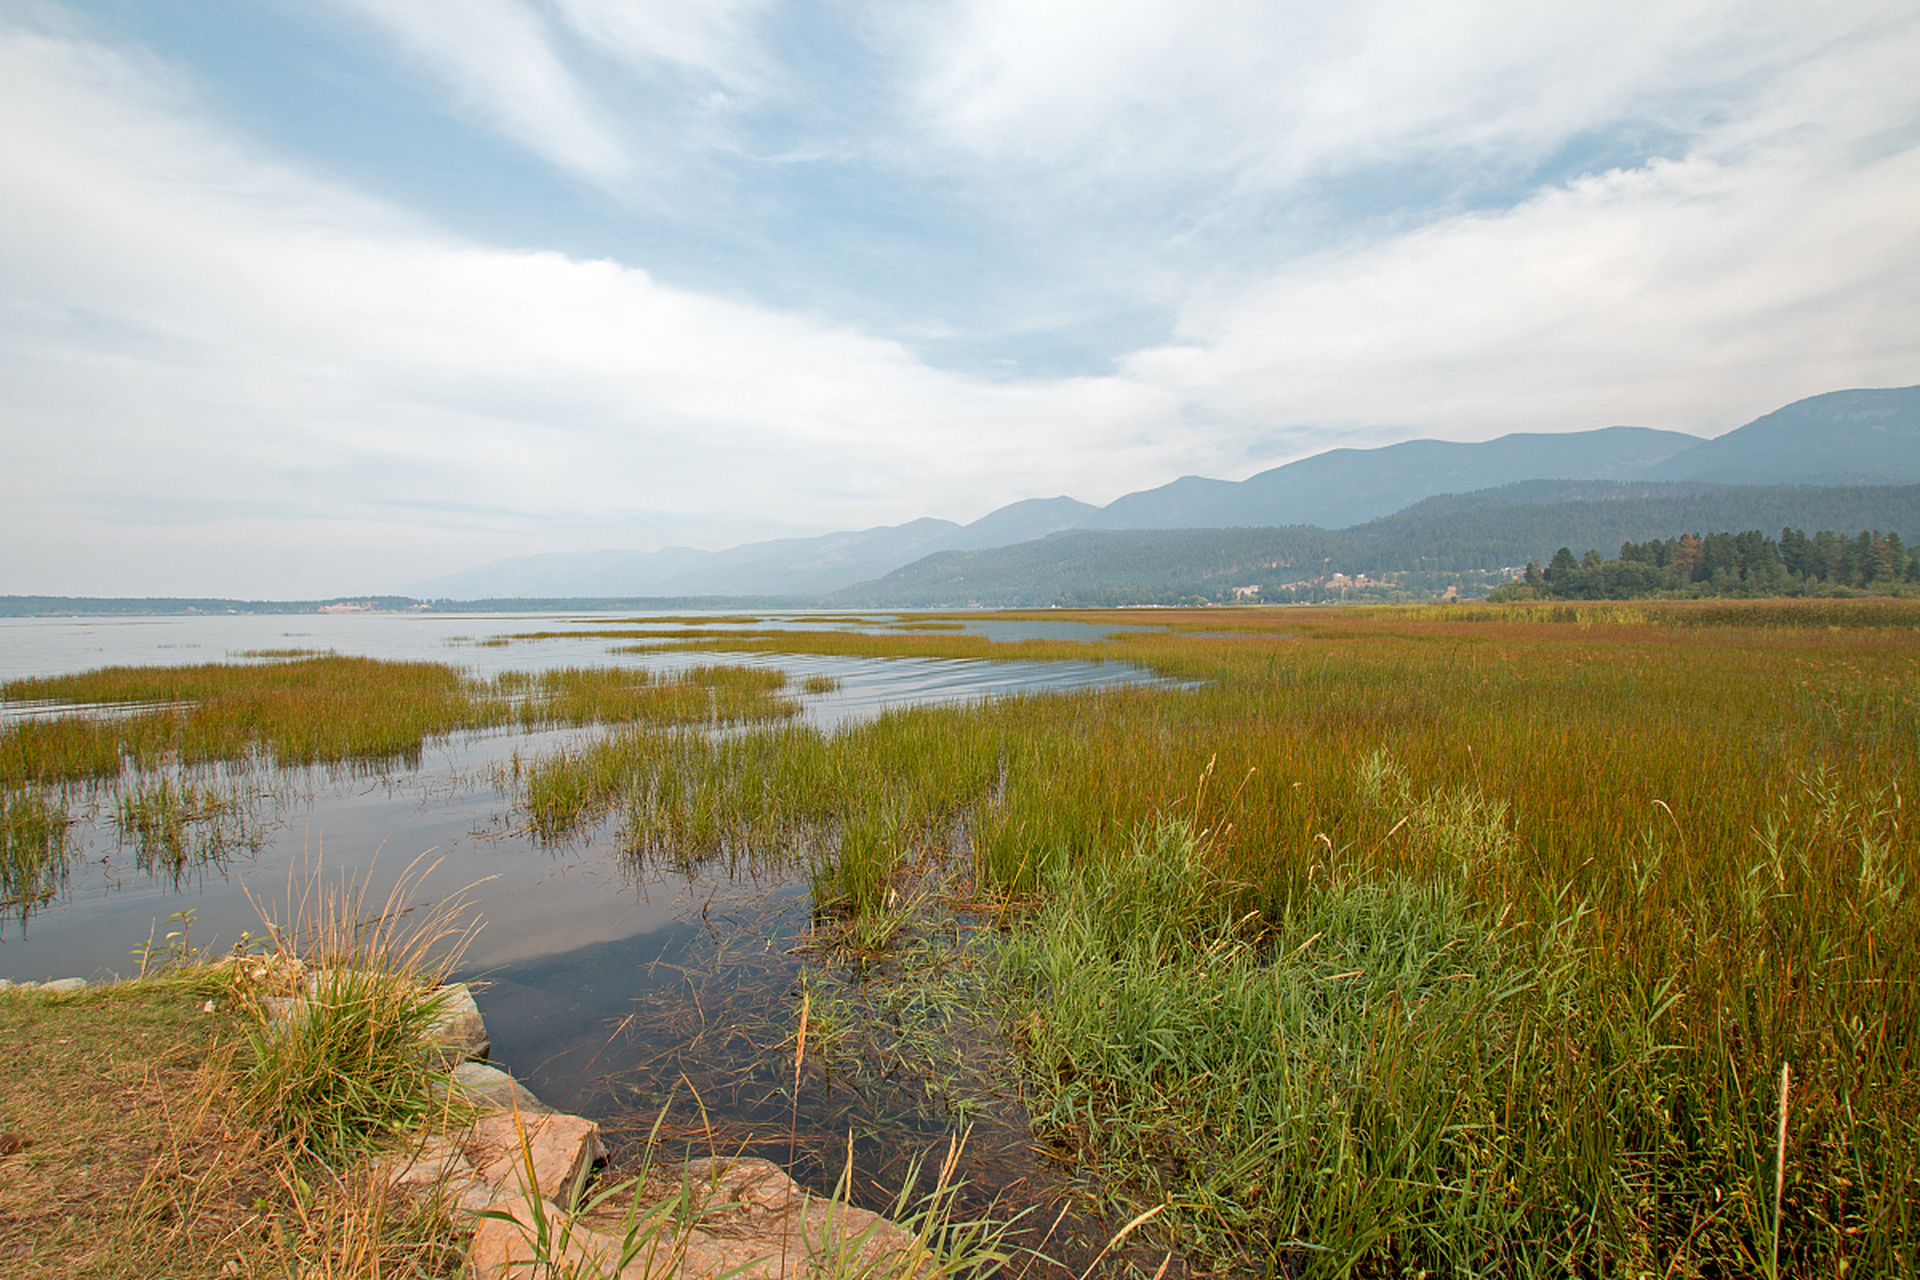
[(540, 1153), (63, 985), (459, 1027), (547, 1155), (492, 1088), (744, 1218)]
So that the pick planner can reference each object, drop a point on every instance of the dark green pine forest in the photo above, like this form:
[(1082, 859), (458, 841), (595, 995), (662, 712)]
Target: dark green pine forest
[(1746, 564)]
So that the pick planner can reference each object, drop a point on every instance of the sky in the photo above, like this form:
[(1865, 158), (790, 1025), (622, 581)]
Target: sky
[(302, 298)]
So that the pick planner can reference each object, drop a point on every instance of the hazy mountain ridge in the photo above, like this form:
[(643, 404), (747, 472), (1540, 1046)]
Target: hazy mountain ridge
[(1843, 437), (1345, 487), (781, 567), (1443, 535)]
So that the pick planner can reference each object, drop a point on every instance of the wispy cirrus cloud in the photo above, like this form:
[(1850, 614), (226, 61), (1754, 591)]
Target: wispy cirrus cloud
[(1260, 105), (498, 62), (716, 41)]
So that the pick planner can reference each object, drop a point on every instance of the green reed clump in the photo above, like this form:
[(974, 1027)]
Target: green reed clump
[(33, 849), (1311, 1086), (343, 1062), (349, 1066)]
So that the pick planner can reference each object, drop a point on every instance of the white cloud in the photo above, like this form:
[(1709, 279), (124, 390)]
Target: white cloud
[(711, 39), (1150, 91), (197, 328), (223, 375), (1692, 294), (497, 58)]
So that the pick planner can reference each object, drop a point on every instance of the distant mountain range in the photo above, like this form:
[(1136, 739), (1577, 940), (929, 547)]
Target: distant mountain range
[(1842, 438), (783, 567), (1437, 538)]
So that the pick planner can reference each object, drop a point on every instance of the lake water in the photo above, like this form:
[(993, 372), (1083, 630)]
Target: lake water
[(617, 993), (538, 900)]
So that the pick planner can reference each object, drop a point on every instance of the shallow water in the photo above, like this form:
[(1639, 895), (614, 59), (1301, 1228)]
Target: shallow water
[(535, 899), (51, 646), (629, 995)]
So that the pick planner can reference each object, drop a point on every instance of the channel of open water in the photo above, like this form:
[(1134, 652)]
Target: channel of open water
[(644, 998)]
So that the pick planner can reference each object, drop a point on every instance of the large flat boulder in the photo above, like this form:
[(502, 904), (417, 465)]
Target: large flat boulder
[(520, 1166), (500, 1153)]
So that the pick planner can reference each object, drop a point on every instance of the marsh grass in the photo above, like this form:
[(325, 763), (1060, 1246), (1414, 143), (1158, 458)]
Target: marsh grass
[(330, 709), (891, 643), (1796, 614), (702, 695), (193, 764), (1565, 892), (1312, 1087)]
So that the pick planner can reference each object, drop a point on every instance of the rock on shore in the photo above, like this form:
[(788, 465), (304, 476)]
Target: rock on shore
[(743, 1217)]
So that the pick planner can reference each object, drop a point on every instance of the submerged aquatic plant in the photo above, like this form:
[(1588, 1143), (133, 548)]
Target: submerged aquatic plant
[(33, 849), (175, 825)]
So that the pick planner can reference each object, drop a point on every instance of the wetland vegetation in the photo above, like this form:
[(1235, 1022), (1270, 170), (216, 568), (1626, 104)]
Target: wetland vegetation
[(1463, 940), (1445, 940), (189, 758)]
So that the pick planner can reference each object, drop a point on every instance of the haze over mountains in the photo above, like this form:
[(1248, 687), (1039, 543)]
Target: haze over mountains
[(1868, 436)]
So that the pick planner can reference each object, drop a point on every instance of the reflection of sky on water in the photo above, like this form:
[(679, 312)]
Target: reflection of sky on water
[(536, 901), (50, 646)]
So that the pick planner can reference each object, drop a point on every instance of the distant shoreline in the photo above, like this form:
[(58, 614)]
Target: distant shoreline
[(189, 606)]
